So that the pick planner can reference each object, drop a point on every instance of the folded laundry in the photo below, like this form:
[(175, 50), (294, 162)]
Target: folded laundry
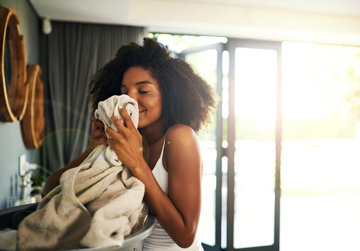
[(96, 204)]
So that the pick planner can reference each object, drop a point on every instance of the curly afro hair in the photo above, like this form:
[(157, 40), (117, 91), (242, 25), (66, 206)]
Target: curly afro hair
[(187, 98)]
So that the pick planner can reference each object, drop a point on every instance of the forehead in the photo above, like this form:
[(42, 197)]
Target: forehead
[(138, 75)]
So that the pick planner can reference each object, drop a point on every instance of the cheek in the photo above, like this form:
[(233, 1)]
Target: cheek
[(156, 112), (156, 103), (159, 107)]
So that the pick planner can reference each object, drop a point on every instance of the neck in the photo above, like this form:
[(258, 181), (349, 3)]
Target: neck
[(154, 133), (152, 138)]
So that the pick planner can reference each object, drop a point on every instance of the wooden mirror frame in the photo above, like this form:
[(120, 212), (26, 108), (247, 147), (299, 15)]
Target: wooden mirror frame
[(33, 123), (13, 97)]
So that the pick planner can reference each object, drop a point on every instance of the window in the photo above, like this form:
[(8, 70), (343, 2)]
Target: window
[(285, 108), (320, 150)]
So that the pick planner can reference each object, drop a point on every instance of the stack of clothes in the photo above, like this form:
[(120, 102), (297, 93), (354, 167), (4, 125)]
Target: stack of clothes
[(96, 204)]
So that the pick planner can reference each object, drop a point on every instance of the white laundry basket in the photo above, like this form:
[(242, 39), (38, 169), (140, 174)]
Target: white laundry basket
[(11, 217), (132, 242)]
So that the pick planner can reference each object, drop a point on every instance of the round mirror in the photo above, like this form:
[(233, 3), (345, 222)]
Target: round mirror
[(33, 123), (13, 88)]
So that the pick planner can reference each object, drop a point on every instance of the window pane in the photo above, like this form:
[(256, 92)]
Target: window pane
[(255, 111), (321, 141)]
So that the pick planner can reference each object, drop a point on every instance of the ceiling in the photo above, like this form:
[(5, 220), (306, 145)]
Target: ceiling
[(328, 20)]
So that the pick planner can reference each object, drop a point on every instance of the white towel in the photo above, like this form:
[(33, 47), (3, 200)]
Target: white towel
[(110, 107), (8, 239), (96, 204)]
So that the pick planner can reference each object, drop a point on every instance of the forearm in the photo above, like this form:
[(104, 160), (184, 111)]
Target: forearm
[(174, 223), (54, 179)]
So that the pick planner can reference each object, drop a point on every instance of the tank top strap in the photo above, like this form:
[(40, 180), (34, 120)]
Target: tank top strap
[(162, 149), (159, 171)]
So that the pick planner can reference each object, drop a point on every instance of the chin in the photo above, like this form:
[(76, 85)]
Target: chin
[(141, 125)]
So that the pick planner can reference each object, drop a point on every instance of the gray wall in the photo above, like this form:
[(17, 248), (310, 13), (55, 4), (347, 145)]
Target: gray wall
[(11, 142)]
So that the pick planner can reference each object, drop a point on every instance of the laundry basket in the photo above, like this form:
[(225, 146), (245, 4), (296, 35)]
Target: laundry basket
[(10, 218)]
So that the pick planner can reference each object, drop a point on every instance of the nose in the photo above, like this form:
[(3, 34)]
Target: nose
[(133, 94)]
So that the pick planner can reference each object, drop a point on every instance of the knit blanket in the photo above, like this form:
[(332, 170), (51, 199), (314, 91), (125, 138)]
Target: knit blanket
[(96, 204)]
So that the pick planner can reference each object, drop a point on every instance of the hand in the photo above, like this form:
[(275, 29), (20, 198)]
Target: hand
[(126, 142), (97, 135)]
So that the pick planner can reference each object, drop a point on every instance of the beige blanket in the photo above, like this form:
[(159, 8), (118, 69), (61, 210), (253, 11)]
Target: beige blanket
[(96, 204)]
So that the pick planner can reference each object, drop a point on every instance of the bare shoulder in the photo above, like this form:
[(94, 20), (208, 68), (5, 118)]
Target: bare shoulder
[(182, 151), (181, 135)]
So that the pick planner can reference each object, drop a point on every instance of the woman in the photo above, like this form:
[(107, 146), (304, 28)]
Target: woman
[(174, 103)]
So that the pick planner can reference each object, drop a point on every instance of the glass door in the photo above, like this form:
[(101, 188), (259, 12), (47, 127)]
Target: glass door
[(254, 144), (241, 184)]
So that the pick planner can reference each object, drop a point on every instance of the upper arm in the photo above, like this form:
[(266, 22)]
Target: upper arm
[(184, 165)]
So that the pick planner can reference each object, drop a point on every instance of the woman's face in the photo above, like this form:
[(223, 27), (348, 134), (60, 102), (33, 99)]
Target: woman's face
[(141, 86)]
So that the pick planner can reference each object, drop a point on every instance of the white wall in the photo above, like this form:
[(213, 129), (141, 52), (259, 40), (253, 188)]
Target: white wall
[(330, 21), (234, 20)]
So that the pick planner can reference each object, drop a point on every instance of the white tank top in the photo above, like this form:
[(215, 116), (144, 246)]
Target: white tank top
[(159, 239)]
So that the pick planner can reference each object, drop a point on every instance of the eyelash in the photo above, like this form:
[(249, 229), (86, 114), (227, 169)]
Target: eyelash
[(141, 92)]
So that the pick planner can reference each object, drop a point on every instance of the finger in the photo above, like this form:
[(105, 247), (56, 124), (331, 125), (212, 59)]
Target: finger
[(102, 141), (126, 117), (118, 123), (96, 123), (98, 136), (98, 132), (111, 142), (112, 134), (98, 141)]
